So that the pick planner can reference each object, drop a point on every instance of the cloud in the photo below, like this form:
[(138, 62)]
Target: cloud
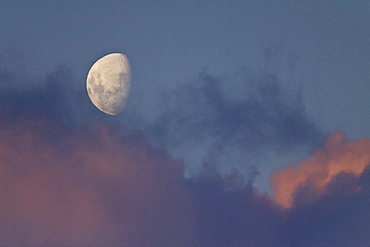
[(234, 217), (338, 218), (245, 217), (56, 95), (233, 121), (317, 172), (88, 186), (263, 111)]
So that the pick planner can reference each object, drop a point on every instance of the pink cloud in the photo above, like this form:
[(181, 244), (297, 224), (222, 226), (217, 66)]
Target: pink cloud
[(318, 171), (88, 186)]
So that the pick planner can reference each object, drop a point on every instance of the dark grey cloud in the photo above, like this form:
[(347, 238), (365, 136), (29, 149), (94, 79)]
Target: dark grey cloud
[(244, 217), (265, 117), (227, 217), (245, 115), (55, 95), (340, 218)]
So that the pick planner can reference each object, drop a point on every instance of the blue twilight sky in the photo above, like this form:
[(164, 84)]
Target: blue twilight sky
[(230, 86)]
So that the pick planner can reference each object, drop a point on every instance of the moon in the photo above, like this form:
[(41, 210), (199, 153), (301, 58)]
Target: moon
[(108, 83)]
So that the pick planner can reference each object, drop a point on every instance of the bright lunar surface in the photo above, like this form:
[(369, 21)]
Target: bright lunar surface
[(108, 83)]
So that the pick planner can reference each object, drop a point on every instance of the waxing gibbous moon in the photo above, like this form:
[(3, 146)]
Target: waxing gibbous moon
[(108, 83)]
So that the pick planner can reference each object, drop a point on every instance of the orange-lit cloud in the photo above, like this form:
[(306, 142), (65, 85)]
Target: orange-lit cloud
[(88, 187), (338, 155)]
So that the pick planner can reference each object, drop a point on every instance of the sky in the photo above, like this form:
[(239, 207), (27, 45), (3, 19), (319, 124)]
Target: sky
[(246, 124)]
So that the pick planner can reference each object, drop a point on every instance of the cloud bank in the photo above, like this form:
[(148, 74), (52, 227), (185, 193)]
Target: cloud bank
[(95, 184), (89, 185)]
